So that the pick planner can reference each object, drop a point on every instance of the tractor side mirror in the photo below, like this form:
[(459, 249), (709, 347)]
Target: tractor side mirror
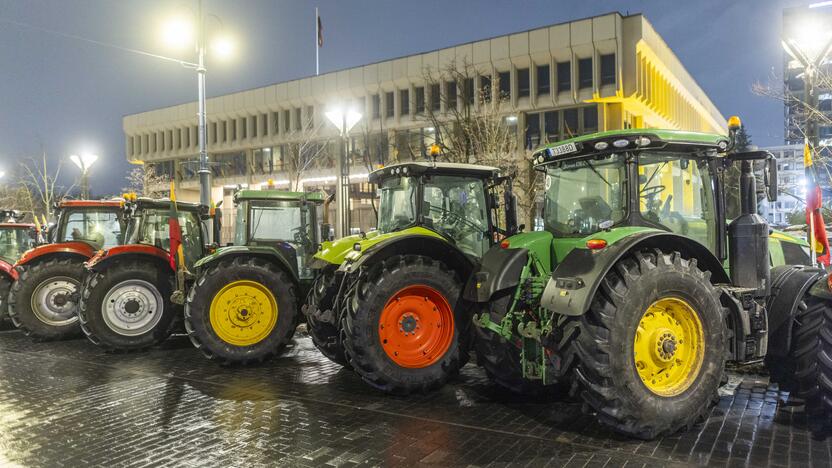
[(771, 179), (511, 214)]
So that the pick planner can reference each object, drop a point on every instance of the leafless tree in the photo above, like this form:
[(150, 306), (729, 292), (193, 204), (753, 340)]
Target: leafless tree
[(307, 150), (143, 181), (40, 183)]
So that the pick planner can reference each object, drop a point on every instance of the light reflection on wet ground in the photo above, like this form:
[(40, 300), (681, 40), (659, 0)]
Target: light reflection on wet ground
[(69, 404)]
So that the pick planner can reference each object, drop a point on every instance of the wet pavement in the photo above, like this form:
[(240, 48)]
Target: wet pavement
[(69, 404)]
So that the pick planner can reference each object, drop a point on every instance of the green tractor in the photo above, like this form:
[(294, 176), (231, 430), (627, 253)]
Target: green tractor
[(640, 288), (244, 305), (389, 303)]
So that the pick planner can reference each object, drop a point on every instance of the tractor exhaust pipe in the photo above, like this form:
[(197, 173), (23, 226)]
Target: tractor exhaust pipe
[(748, 255)]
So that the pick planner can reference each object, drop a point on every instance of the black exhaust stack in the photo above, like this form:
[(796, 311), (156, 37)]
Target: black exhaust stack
[(748, 236)]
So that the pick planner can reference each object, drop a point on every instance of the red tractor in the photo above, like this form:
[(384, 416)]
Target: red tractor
[(43, 298), (15, 238), (132, 297)]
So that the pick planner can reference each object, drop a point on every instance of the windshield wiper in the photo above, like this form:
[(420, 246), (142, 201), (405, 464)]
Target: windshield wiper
[(598, 173)]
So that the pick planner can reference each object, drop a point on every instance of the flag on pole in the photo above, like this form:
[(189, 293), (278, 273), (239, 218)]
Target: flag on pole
[(814, 218), (320, 32), (175, 253)]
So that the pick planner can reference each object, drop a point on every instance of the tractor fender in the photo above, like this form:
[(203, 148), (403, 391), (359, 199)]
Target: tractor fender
[(268, 254), (103, 259), (417, 244), (576, 279), (789, 284), (68, 249), (499, 270), (7, 269)]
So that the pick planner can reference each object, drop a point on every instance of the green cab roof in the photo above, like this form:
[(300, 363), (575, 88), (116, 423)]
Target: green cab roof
[(658, 138), (160, 203), (285, 195), (416, 168)]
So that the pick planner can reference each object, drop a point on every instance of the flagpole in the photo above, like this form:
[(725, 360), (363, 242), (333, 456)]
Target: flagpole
[(812, 250), (317, 46)]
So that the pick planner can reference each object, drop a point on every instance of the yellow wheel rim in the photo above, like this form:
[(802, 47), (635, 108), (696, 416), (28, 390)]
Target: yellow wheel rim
[(243, 313), (669, 346)]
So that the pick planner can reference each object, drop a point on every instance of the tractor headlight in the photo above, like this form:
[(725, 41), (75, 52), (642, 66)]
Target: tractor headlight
[(357, 247), (621, 143), (601, 145)]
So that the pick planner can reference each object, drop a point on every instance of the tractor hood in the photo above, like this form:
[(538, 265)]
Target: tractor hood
[(336, 252)]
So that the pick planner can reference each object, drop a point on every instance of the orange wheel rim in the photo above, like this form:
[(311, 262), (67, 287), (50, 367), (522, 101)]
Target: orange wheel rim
[(416, 327)]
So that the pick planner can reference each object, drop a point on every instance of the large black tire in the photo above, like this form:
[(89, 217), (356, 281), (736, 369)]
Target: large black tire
[(254, 271), (798, 371), (127, 307), (607, 378), (819, 397), (499, 358), (36, 277), (5, 286), (360, 324), (325, 334)]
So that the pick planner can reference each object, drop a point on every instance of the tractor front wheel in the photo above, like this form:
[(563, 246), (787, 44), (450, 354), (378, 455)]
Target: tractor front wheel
[(405, 328), (242, 310), (127, 306), (652, 348), (42, 302), (322, 319)]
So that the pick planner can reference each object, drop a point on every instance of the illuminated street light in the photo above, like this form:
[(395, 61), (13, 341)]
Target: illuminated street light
[(179, 32), (84, 162), (344, 118)]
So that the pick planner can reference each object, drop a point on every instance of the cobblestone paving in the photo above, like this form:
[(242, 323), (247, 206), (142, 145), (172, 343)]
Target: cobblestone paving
[(69, 404)]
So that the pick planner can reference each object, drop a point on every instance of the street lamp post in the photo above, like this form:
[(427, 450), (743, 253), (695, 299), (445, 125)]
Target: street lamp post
[(84, 162), (344, 119), (811, 52)]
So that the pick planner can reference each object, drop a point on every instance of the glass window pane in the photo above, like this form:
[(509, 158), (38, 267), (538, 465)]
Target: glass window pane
[(100, 229), (564, 70), (456, 207), (607, 69), (542, 80), (584, 73), (523, 82), (505, 85)]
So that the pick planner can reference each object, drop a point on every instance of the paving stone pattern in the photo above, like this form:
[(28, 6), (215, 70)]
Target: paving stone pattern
[(70, 404)]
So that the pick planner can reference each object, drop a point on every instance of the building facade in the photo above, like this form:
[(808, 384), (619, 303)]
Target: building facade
[(791, 182), (602, 73)]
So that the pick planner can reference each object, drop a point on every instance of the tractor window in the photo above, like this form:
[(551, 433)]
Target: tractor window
[(455, 206), (15, 241), (241, 224), (100, 229), (273, 221), (397, 206), (585, 195), (154, 230), (675, 192)]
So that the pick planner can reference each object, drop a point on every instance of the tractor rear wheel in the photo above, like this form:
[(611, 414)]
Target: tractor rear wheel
[(501, 359), (819, 397), (127, 306), (242, 310), (798, 372), (651, 349), (325, 334), (405, 328), (42, 300), (5, 286)]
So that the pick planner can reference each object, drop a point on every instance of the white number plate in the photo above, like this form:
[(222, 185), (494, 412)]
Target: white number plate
[(567, 148)]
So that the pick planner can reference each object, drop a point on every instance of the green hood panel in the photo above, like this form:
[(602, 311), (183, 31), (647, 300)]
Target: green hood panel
[(336, 252), (564, 245), (353, 255), (234, 249), (786, 237)]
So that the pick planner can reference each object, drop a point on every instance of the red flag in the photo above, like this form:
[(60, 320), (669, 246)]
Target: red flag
[(174, 232), (320, 33), (814, 217)]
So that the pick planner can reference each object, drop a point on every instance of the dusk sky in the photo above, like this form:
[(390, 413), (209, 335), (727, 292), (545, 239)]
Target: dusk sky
[(68, 96)]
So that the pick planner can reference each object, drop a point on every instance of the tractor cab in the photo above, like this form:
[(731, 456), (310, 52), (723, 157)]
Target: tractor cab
[(148, 225), (15, 237), (98, 224), (288, 222)]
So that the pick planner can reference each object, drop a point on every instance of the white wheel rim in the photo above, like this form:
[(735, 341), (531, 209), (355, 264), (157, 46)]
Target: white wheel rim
[(52, 301), (132, 308)]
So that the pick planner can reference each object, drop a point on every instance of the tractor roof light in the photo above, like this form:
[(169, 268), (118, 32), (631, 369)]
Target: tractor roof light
[(643, 141), (734, 123), (357, 246), (601, 145), (622, 143), (722, 145)]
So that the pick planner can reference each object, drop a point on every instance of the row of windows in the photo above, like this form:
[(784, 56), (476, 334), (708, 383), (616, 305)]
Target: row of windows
[(551, 126)]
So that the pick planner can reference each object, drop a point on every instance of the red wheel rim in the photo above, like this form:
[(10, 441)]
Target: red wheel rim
[(416, 327)]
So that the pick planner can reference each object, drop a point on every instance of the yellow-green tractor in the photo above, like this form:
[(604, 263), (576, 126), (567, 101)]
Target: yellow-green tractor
[(641, 287), (388, 303)]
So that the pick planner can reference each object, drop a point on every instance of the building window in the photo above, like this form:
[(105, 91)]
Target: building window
[(564, 70), (505, 84), (590, 119), (450, 94), (532, 131), (244, 127), (376, 106), (542, 80), (485, 88), (607, 69), (213, 132), (287, 123), (523, 82), (420, 99), (233, 130), (550, 120), (264, 124), (298, 122), (584, 73), (435, 98), (404, 102), (570, 123), (310, 117), (229, 165), (468, 91), (389, 105), (253, 125), (276, 122)]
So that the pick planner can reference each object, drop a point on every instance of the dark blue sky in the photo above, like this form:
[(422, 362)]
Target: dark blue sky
[(69, 96)]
